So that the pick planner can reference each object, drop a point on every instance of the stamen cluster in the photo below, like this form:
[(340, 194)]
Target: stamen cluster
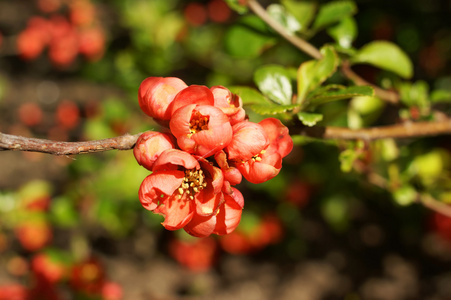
[(210, 145), (192, 183)]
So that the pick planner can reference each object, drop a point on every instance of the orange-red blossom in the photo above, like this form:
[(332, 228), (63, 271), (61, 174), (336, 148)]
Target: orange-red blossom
[(209, 147)]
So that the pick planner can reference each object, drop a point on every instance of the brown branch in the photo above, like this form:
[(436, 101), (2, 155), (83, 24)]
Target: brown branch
[(388, 96), (20, 143), (312, 51), (435, 205), (405, 130)]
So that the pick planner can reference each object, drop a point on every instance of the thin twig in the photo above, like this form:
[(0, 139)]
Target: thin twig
[(404, 130), (435, 205), (388, 96), (296, 41), (424, 199), (20, 143), (312, 51)]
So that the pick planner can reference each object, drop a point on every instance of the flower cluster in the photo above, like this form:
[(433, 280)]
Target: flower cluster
[(209, 147), (65, 36)]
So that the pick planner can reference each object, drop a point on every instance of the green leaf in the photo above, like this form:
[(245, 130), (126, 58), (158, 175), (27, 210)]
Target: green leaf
[(63, 212), (366, 104), (309, 119), (236, 6), (272, 109), (252, 32), (363, 111), (274, 82), (249, 95), (314, 72), (303, 11), (405, 195), (344, 32), (333, 12), (440, 96), (336, 210), (414, 94), (387, 56), (430, 166), (347, 158), (340, 94), (389, 150), (284, 18)]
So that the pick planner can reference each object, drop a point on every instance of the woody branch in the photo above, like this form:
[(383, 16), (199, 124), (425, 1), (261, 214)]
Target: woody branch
[(20, 143)]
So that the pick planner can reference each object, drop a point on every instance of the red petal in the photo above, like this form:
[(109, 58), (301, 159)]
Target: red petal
[(157, 93), (201, 226), (174, 158), (249, 139), (204, 142), (178, 212), (261, 171), (214, 175), (217, 136), (149, 146), (207, 202), (157, 184), (194, 94), (278, 134), (180, 121), (229, 215)]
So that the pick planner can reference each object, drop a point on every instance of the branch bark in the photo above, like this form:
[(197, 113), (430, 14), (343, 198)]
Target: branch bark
[(404, 130), (20, 143), (127, 142), (435, 205)]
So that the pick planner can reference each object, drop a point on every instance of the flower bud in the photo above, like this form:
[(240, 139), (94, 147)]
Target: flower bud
[(149, 147), (248, 140), (155, 94), (229, 103)]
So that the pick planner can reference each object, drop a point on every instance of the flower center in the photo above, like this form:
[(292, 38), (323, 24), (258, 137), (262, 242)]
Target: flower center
[(198, 123), (193, 182), (258, 156)]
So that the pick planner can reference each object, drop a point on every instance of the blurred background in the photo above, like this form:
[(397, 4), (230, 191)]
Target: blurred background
[(73, 227)]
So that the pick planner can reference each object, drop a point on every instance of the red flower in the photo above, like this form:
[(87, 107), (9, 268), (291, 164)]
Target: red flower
[(194, 94), (223, 221), (249, 139), (278, 135), (181, 186), (88, 277), (201, 129), (155, 94), (112, 291), (14, 291), (236, 242), (30, 43), (150, 145), (229, 103), (190, 191), (232, 175), (34, 234), (268, 162), (92, 43), (198, 255), (47, 269)]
